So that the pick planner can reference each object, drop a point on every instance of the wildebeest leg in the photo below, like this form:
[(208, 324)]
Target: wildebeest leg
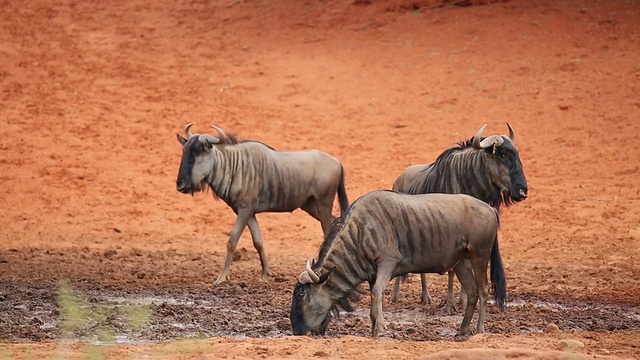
[(482, 284), (451, 305), (382, 279), (326, 219), (426, 298), (257, 243), (241, 222), (464, 270), (396, 290), (463, 298), (321, 212)]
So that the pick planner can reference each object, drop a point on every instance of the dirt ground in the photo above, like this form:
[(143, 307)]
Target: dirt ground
[(93, 93)]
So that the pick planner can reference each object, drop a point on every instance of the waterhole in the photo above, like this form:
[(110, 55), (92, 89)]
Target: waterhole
[(34, 312)]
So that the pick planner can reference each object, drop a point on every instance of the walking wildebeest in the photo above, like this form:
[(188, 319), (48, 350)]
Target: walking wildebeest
[(486, 168), (385, 234), (252, 177)]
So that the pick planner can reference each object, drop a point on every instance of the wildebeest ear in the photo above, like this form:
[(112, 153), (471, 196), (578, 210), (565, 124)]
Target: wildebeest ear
[(181, 139), (325, 276)]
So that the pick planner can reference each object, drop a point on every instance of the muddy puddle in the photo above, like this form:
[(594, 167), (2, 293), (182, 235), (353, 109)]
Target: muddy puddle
[(34, 311)]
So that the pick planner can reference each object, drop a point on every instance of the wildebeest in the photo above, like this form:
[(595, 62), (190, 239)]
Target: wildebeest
[(252, 177), (486, 168), (385, 234)]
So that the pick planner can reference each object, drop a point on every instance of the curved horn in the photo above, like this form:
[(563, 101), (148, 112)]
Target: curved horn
[(496, 140), (312, 274), (477, 137), (187, 131), (209, 138), (304, 278), (308, 276), (512, 134), (220, 132)]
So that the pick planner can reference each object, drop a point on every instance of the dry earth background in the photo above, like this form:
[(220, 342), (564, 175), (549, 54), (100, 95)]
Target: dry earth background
[(92, 94)]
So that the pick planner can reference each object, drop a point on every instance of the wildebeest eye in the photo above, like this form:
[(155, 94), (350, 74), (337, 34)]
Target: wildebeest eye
[(299, 293), (503, 155)]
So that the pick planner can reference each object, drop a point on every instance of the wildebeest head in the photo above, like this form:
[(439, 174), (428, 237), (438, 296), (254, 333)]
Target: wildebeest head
[(505, 167), (197, 163), (311, 306)]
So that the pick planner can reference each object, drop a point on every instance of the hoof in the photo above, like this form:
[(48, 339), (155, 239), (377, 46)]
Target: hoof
[(462, 335), (427, 300), (221, 279), (377, 332), (450, 309)]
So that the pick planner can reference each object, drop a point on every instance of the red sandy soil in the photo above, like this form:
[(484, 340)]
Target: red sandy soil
[(93, 93)]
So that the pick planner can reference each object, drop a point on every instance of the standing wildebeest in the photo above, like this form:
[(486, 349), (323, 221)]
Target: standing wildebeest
[(252, 178), (488, 169), (385, 234)]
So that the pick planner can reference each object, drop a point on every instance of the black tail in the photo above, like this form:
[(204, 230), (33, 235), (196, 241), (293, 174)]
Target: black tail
[(342, 193), (498, 280)]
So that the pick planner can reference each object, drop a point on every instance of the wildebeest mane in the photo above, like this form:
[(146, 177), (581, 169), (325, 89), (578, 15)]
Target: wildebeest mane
[(336, 225), (229, 139), (256, 141), (461, 161), (232, 139), (354, 296)]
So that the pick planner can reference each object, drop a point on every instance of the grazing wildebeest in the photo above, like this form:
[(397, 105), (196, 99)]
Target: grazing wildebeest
[(486, 168), (252, 177), (385, 234)]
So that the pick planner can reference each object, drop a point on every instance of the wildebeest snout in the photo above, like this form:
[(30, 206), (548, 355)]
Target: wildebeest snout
[(182, 185), (522, 192)]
